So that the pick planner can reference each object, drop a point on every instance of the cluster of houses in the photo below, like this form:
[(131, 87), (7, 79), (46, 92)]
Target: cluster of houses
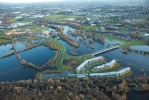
[(69, 19), (111, 74), (105, 74), (86, 63), (49, 33), (105, 66), (18, 31), (14, 25), (84, 75)]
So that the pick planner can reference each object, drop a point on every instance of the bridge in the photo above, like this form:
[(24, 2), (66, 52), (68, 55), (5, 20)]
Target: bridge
[(105, 50)]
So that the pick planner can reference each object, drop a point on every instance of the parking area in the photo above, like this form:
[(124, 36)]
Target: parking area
[(61, 75)]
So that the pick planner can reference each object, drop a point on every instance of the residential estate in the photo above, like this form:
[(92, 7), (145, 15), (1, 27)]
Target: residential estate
[(105, 66), (111, 74), (87, 62)]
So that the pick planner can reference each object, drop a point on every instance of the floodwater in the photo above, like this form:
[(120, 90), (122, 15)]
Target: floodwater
[(140, 48), (4, 49), (137, 96), (132, 59), (38, 56), (42, 54)]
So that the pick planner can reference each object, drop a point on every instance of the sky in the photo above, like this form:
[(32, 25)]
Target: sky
[(68, 0), (27, 0)]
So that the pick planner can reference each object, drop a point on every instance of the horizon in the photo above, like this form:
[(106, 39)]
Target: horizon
[(32, 1)]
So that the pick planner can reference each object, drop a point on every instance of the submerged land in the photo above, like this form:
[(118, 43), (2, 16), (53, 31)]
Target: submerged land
[(73, 50)]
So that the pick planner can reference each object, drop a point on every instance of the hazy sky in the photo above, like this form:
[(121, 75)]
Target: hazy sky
[(69, 0), (27, 0)]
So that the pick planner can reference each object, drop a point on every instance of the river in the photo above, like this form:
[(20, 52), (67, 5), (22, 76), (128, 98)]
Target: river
[(140, 48), (137, 96)]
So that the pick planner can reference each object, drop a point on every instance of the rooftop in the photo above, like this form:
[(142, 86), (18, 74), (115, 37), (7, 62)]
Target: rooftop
[(85, 62), (110, 73), (107, 64)]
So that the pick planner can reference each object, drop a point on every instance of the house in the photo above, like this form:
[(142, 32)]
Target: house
[(69, 19), (88, 19), (111, 74), (93, 24), (46, 33), (87, 62), (81, 75), (105, 66), (146, 37), (18, 31), (111, 28)]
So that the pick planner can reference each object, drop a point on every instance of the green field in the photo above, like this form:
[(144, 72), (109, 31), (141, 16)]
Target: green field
[(23, 21), (94, 18), (97, 9), (35, 28), (4, 40), (54, 16), (3, 36), (11, 20), (60, 18), (142, 20), (89, 27), (17, 20), (126, 43), (2, 33)]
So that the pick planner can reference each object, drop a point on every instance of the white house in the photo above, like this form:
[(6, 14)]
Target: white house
[(93, 24), (111, 74), (105, 66), (86, 63)]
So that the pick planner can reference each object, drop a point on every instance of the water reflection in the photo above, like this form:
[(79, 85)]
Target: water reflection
[(140, 48), (38, 56), (137, 96), (4, 49)]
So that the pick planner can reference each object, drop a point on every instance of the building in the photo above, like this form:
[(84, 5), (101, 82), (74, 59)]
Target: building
[(105, 66), (124, 71), (69, 19), (146, 37), (86, 63), (77, 75), (93, 24), (16, 25), (111, 74), (82, 75), (18, 31)]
